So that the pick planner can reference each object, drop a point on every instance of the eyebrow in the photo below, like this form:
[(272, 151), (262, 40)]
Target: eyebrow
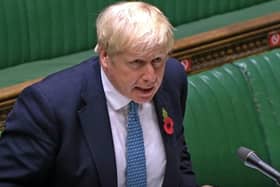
[(162, 56)]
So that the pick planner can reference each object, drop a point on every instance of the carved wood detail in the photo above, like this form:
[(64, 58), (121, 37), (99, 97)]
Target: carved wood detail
[(224, 45)]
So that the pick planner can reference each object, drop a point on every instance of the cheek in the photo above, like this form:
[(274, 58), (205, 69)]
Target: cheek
[(126, 81), (130, 81), (160, 74)]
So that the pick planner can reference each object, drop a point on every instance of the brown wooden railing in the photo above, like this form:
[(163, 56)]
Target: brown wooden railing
[(210, 49), (8, 97)]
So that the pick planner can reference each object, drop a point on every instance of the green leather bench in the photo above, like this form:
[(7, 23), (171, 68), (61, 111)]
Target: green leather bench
[(42, 37), (231, 106)]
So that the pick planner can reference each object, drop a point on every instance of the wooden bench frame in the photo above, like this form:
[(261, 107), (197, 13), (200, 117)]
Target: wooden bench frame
[(199, 52), (216, 47)]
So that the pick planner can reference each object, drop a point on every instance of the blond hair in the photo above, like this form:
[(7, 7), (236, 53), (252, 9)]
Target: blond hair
[(133, 25)]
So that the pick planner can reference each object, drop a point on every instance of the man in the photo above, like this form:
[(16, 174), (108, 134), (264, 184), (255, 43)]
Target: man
[(73, 128)]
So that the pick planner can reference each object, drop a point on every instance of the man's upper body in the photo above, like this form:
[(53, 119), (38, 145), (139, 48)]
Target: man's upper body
[(59, 132), (71, 128)]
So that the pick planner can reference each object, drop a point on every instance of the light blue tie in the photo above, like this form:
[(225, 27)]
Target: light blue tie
[(135, 153)]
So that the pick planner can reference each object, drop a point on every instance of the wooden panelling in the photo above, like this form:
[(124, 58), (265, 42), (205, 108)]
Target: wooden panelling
[(210, 49)]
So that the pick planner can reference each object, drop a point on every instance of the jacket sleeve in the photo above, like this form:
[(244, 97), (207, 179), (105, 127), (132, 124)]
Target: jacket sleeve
[(27, 145), (186, 171)]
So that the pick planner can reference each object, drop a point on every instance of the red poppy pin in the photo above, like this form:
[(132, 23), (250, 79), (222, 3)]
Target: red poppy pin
[(168, 123)]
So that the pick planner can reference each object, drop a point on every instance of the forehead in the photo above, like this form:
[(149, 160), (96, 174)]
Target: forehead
[(144, 55)]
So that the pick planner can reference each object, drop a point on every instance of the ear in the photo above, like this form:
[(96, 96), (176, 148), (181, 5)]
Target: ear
[(103, 58)]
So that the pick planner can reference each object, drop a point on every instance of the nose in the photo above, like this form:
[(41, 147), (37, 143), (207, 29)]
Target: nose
[(149, 74)]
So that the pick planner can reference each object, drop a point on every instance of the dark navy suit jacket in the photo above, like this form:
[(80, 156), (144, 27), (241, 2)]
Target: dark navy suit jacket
[(58, 133)]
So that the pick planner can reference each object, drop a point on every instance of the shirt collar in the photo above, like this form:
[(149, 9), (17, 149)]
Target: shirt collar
[(114, 98)]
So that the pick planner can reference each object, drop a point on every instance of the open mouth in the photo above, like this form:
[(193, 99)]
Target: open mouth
[(145, 90), (144, 94)]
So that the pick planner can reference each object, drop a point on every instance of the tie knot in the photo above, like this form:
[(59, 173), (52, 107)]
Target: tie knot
[(133, 107)]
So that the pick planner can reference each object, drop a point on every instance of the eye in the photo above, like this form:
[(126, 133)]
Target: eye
[(157, 62), (137, 63)]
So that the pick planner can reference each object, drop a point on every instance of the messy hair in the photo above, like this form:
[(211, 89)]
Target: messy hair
[(134, 26)]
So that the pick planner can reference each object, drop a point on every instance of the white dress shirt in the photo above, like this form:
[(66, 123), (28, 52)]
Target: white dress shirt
[(117, 105)]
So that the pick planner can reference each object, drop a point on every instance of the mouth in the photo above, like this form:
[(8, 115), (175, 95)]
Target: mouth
[(145, 90), (144, 94)]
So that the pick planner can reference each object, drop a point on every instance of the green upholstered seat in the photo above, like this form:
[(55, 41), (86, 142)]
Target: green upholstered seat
[(220, 20), (230, 106), (220, 117), (262, 73), (34, 30), (185, 11), (38, 38)]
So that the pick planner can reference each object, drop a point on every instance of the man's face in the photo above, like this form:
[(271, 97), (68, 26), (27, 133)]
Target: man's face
[(136, 76)]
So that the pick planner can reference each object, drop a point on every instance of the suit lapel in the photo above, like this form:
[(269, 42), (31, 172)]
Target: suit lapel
[(95, 123), (162, 102)]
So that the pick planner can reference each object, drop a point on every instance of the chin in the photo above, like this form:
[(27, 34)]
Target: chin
[(142, 100)]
